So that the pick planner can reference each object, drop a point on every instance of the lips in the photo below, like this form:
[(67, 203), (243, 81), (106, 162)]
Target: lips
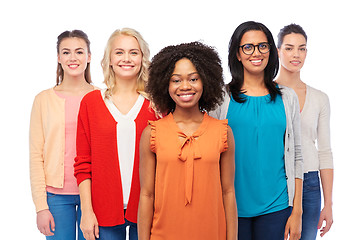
[(126, 67), (73, 66), (295, 63), (186, 97), (256, 62)]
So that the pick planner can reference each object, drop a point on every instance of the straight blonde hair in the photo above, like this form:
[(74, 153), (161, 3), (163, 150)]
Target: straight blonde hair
[(108, 72)]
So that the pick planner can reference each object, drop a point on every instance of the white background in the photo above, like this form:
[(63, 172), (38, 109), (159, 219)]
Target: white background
[(28, 61)]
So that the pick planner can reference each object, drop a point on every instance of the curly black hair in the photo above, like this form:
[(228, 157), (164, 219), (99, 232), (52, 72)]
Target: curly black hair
[(204, 58)]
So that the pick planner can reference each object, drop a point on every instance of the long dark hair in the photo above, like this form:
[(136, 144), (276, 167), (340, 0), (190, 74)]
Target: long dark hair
[(236, 68), (73, 34)]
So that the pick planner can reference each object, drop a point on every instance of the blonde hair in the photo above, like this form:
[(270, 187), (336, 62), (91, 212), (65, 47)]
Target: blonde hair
[(109, 74)]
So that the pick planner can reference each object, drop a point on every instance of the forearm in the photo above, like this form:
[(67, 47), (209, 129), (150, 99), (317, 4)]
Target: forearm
[(230, 208), (85, 195), (327, 176), (145, 216), (297, 204)]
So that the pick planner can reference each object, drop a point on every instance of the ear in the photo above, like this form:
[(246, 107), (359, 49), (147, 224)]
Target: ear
[(238, 56), (278, 52), (89, 58), (58, 58)]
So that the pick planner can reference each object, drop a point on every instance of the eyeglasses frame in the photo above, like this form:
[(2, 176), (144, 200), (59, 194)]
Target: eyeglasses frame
[(254, 47)]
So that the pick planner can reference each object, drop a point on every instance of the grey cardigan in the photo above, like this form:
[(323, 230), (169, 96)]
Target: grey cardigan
[(293, 156)]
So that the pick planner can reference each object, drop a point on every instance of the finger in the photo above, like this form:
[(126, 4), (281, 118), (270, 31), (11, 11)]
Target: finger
[(320, 223), (286, 235), (325, 230), (90, 236), (52, 224), (46, 230), (97, 231)]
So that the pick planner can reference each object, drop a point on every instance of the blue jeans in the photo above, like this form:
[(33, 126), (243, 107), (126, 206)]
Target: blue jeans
[(270, 226), (311, 205), (119, 232), (66, 212)]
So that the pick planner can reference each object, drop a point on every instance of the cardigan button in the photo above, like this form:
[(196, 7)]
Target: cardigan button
[(288, 149)]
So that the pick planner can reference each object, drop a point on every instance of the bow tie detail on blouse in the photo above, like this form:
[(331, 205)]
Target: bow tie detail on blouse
[(189, 151)]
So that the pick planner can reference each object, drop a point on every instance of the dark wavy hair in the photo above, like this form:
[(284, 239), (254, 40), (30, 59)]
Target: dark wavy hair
[(236, 68), (206, 61), (73, 34), (288, 29)]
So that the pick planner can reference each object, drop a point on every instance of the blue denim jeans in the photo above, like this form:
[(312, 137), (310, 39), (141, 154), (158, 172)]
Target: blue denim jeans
[(66, 212), (311, 205), (270, 226), (119, 232)]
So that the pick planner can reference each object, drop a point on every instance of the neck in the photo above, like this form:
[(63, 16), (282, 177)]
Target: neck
[(254, 80), (71, 82), (125, 87), (288, 78), (254, 85), (187, 115)]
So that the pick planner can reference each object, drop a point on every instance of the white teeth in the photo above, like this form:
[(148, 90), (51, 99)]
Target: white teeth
[(128, 67), (73, 65), (256, 61), (186, 95)]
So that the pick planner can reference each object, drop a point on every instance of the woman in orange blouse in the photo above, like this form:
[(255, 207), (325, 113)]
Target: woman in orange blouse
[(187, 158)]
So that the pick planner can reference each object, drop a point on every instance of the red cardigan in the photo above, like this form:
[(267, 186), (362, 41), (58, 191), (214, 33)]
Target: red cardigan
[(97, 159)]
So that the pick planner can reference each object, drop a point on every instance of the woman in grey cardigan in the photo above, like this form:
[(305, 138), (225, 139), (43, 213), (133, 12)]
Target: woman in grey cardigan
[(265, 121), (315, 127)]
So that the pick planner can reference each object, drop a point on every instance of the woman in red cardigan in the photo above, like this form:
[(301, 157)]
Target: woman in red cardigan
[(110, 124)]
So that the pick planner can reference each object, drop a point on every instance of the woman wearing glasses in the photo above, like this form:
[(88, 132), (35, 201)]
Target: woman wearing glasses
[(315, 127), (265, 121)]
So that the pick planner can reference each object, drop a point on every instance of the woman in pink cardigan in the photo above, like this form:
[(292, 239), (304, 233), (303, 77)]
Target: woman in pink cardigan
[(52, 139), (110, 124)]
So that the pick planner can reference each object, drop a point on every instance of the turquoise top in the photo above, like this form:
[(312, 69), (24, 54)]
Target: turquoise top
[(259, 127)]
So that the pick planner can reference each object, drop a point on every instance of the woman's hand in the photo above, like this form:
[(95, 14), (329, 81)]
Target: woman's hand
[(327, 216), (293, 227), (45, 222), (89, 225)]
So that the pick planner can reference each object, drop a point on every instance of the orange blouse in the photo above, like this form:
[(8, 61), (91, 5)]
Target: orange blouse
[(188, 193)]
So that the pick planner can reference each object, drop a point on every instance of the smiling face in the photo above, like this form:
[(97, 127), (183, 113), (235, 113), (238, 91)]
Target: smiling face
[(126, 57), (256, 62), (73, 56), (185, 85), (292, 52)]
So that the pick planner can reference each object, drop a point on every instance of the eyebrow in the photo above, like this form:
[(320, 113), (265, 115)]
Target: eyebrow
[(302, 45), (134, 49), (175, 74), (70, 49)]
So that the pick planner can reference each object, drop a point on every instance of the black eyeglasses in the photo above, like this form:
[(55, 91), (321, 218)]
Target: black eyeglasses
[(249, 48)]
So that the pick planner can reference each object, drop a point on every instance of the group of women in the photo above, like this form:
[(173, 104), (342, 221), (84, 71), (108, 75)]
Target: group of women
[(168, 151)]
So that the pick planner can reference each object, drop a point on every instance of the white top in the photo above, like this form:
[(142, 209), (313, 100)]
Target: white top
[(126, 140), (315, 131)]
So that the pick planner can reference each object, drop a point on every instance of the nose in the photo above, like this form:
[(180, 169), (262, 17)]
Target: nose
[(296, 53), (73, 56), (185, 85), (256, 52), (126, 57)]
